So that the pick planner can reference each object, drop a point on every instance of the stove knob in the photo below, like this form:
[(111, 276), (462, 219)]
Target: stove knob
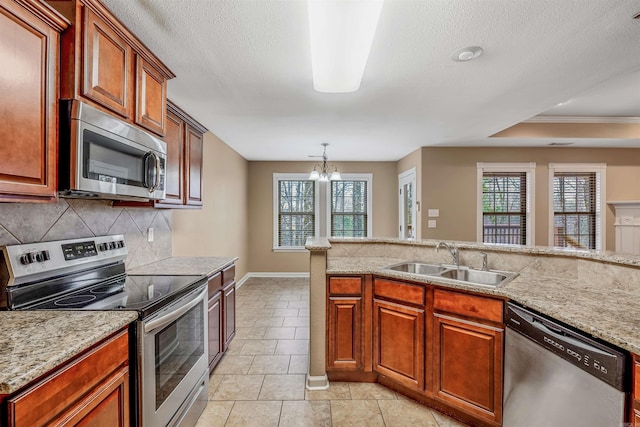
[(112, 245), (39, 257), (121, 244), (102, 247), (45, 255), (24, 259)]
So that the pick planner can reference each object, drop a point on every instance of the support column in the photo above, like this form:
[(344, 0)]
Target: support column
[(317, 374)]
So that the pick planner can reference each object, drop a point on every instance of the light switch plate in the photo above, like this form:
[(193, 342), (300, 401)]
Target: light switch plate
[(433, 213), (431, 223)]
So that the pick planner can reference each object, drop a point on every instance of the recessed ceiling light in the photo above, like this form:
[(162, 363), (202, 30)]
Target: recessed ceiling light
[(466, 53)]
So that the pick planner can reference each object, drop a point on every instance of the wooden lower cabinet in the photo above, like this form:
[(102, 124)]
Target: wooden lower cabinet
[(92, 390), (635, 416), (468, 366), (215, 329), (399, 343), (344, 333), (229, 313)]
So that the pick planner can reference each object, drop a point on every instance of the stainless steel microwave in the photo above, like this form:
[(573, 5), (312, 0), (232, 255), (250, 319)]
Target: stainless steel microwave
[(102, 157)]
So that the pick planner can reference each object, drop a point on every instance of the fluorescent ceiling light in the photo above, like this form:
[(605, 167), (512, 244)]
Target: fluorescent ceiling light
[(341, 35)]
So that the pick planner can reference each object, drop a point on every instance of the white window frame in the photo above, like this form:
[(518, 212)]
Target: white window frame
[(353, 177), (277, 177), (530, 170), (600, 169)]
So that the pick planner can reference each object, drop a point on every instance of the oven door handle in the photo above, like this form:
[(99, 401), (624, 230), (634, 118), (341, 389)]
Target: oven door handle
[(174, 314)]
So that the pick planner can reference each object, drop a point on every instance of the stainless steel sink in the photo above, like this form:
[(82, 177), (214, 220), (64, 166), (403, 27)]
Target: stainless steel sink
[(477, 277), (418, 268), (491, 278)]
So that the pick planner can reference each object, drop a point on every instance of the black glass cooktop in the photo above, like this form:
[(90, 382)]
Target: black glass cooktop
[(144, 294)]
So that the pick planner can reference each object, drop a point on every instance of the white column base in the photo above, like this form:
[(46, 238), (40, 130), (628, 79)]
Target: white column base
[(317, 382)]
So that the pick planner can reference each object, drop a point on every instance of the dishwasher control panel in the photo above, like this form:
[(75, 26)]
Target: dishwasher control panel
[(599, 360)]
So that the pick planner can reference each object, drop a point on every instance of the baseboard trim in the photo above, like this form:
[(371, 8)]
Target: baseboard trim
[(269, 274)]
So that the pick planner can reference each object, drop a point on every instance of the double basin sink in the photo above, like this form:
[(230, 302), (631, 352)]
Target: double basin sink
[(490, 278)]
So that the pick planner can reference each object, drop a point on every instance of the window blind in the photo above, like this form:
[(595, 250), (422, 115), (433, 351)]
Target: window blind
[(504, 207), (576, 208), (296, 212), (349, 208)]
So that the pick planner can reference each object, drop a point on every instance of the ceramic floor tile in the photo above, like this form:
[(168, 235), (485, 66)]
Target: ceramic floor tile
[(305, 414), (250, 332), (406, 413), (356, 413), (336, 391), (296, 321), (276, 304), (303, 312), (283, 387), (270, 365), (365, 391), (253, 347), (299, 364), (270, 321), (214, 382), (252, 414), (279, 333), (445, 421), (233, 364), (235, 347), (239, 387), (290, 297), (299, 304), (215, 414), (292, 347), (285, 312), (302, 333)]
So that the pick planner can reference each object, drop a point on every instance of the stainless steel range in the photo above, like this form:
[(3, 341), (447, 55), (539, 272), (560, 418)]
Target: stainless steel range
[(169, 353)]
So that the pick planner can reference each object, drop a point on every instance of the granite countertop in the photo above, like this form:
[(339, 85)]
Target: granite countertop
[(34, 342), (180, 266), (609, 314)]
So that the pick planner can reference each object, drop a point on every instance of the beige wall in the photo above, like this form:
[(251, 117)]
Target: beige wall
[(449, 184), (414, 160), (220, 228), (261, 255)]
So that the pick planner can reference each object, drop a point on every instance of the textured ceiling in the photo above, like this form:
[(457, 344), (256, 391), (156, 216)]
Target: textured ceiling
[(244, 71)]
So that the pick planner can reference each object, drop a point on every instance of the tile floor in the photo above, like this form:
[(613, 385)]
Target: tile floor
[(261, 379)]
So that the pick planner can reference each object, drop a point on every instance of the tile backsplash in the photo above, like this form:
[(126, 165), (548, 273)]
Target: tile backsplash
[(77, 218)]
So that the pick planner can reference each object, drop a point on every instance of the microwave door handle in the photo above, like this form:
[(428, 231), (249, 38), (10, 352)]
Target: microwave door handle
[(157, 184), (174, 315), (148, 167)]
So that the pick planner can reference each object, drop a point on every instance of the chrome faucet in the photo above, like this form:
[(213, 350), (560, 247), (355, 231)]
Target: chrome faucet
[(485, 266), (453, 250)]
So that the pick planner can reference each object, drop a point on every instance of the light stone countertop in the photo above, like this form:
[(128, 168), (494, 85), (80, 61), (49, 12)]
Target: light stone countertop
[(33, 343), (179, 266), (610, 314)]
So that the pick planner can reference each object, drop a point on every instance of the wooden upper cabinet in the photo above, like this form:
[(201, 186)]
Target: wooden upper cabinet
[(151, 96), (174, 166), (29, 51), (194, 146), (107, 62), (104, 64)]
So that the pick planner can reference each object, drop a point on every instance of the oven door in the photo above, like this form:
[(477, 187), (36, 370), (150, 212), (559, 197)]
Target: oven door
[(174, 370)]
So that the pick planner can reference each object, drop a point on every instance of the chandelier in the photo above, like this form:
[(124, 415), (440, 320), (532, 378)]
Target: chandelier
[(321, 172)]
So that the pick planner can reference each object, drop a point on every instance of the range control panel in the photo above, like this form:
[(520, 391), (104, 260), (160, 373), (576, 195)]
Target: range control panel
[(27, 262)]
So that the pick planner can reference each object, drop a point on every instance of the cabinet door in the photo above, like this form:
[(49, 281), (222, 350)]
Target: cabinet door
[(174, 172), (194, 166), (468, 366), (229, 314), (28, 105), (151, 97), (215, 329), (107, 66), (399, 343), (344, 333)]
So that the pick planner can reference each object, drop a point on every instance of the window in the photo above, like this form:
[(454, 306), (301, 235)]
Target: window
[(295, 202), (576, 202), (505, 203), (350, 202)]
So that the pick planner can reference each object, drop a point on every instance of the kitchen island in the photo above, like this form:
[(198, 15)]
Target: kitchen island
[(358, 305)]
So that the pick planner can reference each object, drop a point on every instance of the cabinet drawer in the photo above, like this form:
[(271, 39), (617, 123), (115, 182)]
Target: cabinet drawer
[(345, 286), (214, 284), (228, 275), (468, 305), (55, 393), (398, 291)]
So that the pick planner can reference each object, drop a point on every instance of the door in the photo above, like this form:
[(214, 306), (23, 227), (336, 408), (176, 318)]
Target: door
[(229, 313), (344, 330), (407, 204), (215, 329), (397, 327), (194, 166), (468, 366)]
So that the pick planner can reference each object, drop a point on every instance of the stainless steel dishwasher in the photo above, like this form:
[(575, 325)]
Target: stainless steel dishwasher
[(555, 377)]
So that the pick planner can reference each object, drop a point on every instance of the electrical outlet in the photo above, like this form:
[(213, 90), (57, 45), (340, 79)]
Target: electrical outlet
[(150, 234), (431, 223)]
